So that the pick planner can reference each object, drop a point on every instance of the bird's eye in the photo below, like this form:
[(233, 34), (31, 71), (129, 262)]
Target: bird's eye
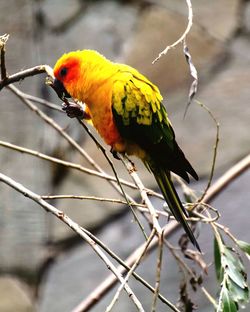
[(63, 72)]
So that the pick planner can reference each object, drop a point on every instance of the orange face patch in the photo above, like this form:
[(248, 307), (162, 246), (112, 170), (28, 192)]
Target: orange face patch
[(67, 68)]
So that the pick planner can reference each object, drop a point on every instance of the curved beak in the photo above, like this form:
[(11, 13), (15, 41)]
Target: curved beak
[(58, 86)]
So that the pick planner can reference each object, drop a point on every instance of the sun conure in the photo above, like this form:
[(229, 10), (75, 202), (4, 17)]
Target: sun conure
[(127, 111)]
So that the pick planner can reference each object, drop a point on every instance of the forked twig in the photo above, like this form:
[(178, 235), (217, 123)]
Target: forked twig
[(109, 282), (212, 192), (130, 272), (65, 163), (59, 129), (131, 169), (158, 273), (75, 227), (183, 36), (127, 197)]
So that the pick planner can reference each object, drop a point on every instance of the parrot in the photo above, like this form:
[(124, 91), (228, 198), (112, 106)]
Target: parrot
[(127, 111)]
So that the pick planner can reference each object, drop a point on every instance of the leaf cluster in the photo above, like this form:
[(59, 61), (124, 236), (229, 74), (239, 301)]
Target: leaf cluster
[(230, 272)]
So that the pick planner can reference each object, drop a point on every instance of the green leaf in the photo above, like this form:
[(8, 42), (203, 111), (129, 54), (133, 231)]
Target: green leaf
[(217, 260), (226, 304), (244, 246), (237, 293), (234, 257), (234, 267), (231, 273)]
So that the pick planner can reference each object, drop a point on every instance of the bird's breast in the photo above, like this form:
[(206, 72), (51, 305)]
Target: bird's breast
[(99, 105)]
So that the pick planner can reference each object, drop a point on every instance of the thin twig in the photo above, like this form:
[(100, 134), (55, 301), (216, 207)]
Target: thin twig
[(59, 129), (128, 264), (141, 207), (202, 218), (130, 272), (228, 177), (36, 70), (227, 232), (103, 150), (110, 281), (76, 167), (65, 163), (212, 192), (127, 163), (85, 197), (75, 227), (190, 23), (3, 41), (185, 187), (43, 102), (158, 273), (216, 144)]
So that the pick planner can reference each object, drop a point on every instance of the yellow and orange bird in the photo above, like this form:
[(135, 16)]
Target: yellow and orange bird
[(127, 111)]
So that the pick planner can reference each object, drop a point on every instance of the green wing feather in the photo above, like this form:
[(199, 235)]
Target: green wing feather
[(141, 118)]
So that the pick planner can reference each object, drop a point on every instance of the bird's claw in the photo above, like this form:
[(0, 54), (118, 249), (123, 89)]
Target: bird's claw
[(73, 110)]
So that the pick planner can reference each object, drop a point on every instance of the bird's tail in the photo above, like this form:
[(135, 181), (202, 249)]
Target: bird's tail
[(174, 203)]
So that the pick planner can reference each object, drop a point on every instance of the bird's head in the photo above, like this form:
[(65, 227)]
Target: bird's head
[(78, 74), (67, 71)]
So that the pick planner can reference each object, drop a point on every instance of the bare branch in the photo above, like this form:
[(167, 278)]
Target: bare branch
[(76, 228), (103, 150), (158, 273), (40, 69), (109, 282), (127, 267), (130, 272), (144, 196), (3, 41), (84, 197), (215, 149), (65, 163), (59, 129), (172, 226), (227, 178), (190, 23), (43, 102)]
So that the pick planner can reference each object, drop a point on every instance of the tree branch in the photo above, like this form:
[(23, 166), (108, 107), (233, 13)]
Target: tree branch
[(59, 129), (183, 36), (26, 73), (171, 227), (65, 163), (144, 196), (3, 40), (110, 281), (76, 228)]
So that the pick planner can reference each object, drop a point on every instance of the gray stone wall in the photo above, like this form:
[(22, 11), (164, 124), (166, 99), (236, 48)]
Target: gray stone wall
[(133, 32)]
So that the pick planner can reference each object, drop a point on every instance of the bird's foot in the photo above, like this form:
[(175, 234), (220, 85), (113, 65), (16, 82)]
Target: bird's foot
[(73, 110)]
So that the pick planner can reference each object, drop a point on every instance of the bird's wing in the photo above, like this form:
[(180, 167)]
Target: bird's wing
[(141, 118), (138, 111)]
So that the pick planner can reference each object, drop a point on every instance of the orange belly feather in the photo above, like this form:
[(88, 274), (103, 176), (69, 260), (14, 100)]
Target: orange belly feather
[(99, 105)]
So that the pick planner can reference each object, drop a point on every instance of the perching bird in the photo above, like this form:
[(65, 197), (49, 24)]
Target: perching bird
[(127, 111)]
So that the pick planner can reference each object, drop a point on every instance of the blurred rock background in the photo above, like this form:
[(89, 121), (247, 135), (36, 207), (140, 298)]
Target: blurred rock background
[(41, 262)]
